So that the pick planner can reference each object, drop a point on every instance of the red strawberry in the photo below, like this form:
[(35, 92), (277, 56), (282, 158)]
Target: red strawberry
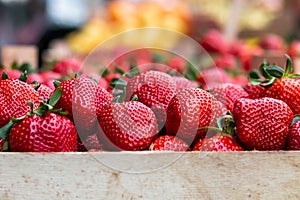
[(212, 77), (130, 126), (177, 63), (14, 95), (183, 83), (34, 77), (12, 73), (189, 110), (213, 41), (254, 91), (43, 91), (280, 84), (67, 67), (155, 90), (219, 142), (84, 99), (48, 133), (294, 136), (294, 49), (226, 61), (262, 124), (90, 142), (169, 143), (287, 90), (228, 93), (272, 42)]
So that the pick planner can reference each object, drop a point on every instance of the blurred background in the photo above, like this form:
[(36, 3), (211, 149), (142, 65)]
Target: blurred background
[(64, 28)]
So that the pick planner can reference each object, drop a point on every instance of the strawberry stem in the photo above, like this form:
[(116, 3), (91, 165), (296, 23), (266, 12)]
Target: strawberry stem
[(4, 76)]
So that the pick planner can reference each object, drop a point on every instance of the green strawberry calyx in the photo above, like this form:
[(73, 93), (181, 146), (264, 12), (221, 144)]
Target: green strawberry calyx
[(270, 73), (226, 125)]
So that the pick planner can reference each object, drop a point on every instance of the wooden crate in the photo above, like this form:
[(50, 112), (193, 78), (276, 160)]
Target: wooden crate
[(193, 175)]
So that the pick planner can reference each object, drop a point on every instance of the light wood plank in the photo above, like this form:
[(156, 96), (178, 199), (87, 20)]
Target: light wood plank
[(195, 175)]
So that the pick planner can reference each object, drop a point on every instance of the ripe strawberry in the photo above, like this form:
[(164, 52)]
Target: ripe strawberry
[(14, 95), (183, 83), (213, 41), (177, 63), (169, 143), (190, 110), (228, 93), (34, 77), (219, 142), (294, 49), (212, 77), (12, 73), (254, 91), (83, 99), (294, 135), (280, 84), (287, 90), (262, 124), (67, 67), (48, 133), (272, 42), (43, 91), (155, 90), (90, 142), (130, 126), (49, 77), (226, 61)]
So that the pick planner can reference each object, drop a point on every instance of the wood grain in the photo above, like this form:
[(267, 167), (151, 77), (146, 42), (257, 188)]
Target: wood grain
[(195, 175)]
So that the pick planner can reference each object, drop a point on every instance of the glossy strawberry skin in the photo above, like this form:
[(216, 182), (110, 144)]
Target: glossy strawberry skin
[(83, 99), (254, 91), (169, 143), (49, 133), (190, 110), (262, 124), (14, 97), (220, 143), (67, 67), (89, 142), (287, 90), (294, 137), (155, 90), (183, 83), (228, 93), (129, 126)]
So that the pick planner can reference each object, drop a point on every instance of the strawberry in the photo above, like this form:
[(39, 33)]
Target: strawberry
[(48, 133), (177, 63), (169, 143), (67, 67), (43, 91), (254, 91), (280, 84), (155, 90), (294, 135), (129, 126), (213, 41), (294, 49), (41, 130), (49, 77), (83, 99), (190, 110), (34, 77), (212, 77), (90, 142), (183, 83), (272, 42), (14, 95), (226, 61), (12, 73), (219, 142), (262, 124), (228, 93)]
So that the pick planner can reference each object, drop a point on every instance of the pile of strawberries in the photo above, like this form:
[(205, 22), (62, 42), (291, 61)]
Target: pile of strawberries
[(134, 108)]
